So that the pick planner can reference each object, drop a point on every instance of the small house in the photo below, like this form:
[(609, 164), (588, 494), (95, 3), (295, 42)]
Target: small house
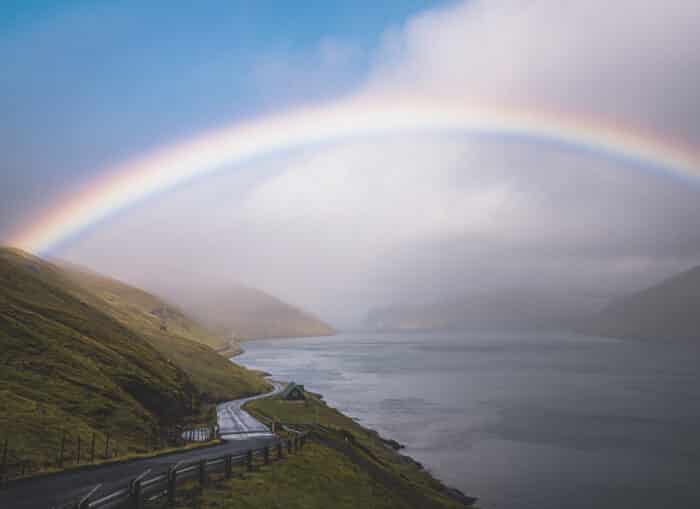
[(293, 392)]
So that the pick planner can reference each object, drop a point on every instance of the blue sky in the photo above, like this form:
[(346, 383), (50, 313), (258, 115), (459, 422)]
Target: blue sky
[(84, 85), (87, 83)]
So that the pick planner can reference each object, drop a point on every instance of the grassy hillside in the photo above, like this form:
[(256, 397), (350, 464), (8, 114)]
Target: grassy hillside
[(183, 341), (247, 313), (670, 309), (78, 360)]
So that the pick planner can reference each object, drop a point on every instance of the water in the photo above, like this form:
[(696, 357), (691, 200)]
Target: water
[(546, 421)]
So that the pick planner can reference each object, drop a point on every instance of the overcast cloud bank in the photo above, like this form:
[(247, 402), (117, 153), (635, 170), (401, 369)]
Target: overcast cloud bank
[(341, 229)]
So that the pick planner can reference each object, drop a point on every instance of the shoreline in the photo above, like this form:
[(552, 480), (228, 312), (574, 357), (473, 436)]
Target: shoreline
[(234, 347), (388, 442)]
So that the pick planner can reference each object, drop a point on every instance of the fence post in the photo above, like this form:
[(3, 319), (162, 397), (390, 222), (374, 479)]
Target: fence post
[(136, 494), (172, 486), (228, 465), (267, 454), (92, 448), (280, 455), (203, 473), (3, 465), (289, 446), (135, 489), (249, 460), (60, 453), (107, 447)]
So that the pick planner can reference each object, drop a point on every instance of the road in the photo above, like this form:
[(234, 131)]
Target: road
[(237, 424), (239, 430)]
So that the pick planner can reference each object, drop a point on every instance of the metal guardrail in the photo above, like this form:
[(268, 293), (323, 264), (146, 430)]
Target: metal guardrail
[(142, 488), (223, 432)]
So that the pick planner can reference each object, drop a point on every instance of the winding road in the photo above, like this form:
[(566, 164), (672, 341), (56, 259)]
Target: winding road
[(239, 430), (237, 424)]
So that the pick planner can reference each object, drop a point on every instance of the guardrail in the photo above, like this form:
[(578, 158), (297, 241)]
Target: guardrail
[(144, 489), (73, 449)]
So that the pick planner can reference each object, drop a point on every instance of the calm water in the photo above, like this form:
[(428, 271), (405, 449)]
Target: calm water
[(522, 421)]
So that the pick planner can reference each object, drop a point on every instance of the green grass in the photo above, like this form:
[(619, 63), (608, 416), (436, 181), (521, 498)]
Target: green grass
[(82, 354), (316, 477), (343, 465), (184, 341)]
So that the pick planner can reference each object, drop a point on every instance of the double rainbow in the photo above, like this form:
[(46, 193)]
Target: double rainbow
[(115, 189)]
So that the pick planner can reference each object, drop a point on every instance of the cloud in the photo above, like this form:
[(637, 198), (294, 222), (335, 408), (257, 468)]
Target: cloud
[(635, 61), (340, 229)]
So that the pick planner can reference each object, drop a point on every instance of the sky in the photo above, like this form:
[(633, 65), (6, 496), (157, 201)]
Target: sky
[(344, 227)]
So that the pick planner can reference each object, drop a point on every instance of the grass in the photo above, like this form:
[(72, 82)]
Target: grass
[(71, 464), (248, 313), (182, 340), (83, 355), (343, 465)]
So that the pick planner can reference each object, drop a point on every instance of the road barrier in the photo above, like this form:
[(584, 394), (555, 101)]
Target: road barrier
[(74, 449), (144, 489)]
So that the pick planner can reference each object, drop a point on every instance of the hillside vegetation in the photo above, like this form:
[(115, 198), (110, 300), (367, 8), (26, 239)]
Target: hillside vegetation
[(182, 340), (343, 465), (247, 313), (669, 310), (81, 354)]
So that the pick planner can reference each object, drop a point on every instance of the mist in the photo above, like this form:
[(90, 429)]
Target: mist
[(346, 228)]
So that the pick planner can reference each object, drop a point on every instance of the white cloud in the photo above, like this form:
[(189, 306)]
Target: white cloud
[(632, 60), (339, 229)]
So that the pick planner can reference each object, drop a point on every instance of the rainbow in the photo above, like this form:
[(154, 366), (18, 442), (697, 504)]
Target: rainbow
[(119, 187)]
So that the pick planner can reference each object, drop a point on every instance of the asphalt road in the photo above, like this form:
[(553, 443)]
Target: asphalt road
[(236, 424), (238, 428)]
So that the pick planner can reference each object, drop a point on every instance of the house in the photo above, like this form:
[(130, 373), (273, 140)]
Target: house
[(294, 392)]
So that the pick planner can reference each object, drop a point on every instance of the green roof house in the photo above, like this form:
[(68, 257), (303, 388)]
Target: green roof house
[(294, 392)]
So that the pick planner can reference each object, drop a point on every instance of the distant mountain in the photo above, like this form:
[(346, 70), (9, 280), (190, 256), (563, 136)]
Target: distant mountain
[(247, 313), (670, 309), (84, 353), (507, 310), (188, 343)]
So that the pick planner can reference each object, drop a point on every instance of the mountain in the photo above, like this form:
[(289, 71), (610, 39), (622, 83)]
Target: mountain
[(180, 338), (505, 310), (670, 309), (247, 313), (81, 353)]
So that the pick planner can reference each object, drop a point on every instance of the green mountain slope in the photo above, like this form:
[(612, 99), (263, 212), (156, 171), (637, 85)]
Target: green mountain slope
[(670, 309), (247, 313), (182, 340), (74, 360)]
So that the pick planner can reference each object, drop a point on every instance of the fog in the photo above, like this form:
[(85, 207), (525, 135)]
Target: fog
[(345, 228)]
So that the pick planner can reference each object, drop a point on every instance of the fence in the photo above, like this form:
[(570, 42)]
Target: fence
[(143, 489), (85, 450)]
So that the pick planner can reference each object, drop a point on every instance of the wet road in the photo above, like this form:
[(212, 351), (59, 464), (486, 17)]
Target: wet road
[(237, 424), (238, 428)]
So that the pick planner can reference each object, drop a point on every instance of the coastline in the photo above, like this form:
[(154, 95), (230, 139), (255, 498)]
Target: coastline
[(231, 349), (344, 441), (388, 443), (234, 346)]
